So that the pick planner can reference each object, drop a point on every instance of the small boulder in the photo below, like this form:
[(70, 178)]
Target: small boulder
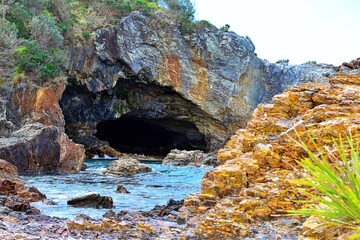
[(91, 200), (194, 158), (171, 207), (121, 189), (110, 214), (126, 168)]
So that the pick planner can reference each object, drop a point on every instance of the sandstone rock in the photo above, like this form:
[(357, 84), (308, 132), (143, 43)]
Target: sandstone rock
[(126, 167), (91, 200), (84, 223), (253, 181), (121, 189), (196, 158)]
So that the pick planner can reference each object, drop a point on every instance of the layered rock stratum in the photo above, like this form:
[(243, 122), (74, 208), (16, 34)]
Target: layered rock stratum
[(204, 85), (253, 182)]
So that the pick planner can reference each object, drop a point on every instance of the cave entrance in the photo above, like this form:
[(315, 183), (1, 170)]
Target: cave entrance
[(150, 136)]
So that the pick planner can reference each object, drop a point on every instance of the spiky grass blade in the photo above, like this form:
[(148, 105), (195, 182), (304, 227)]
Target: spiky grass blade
[(337, 180)]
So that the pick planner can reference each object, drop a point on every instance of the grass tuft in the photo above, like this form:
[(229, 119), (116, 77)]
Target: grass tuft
[(333, 184)]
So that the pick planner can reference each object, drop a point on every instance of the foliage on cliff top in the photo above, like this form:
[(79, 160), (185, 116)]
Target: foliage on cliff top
[(50, 25), (334, 181)]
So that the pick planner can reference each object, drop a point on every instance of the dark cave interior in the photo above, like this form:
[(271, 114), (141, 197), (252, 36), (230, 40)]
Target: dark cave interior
[(130, 134)]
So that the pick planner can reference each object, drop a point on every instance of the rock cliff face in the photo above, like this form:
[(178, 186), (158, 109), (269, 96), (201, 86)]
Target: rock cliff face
[(33, 135), (205, 84), (257, 163)]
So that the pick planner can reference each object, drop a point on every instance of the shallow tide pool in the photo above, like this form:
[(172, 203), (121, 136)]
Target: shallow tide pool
[(146, 190)]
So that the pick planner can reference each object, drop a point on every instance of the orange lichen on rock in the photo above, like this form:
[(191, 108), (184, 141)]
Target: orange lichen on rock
[(39, 104), (171, 71), (258, 162), (200, 89)]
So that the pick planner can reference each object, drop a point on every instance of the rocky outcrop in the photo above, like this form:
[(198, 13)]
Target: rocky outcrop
[(36, 148), (91, 200), (35, 141), (171, 208), (353, 64), (257, 163), (195, 158), (143, 69), (13, 194), (126, 167), (30, 103)]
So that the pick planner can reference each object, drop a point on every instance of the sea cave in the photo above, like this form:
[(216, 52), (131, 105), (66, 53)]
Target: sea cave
[(136, 135)]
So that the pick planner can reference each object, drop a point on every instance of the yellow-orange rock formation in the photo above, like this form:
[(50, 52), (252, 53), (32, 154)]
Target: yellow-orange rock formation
[(258, 162)]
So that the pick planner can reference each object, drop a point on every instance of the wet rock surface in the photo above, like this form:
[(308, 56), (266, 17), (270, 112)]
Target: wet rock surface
[(91, 200), (121, 189), (195, 158), (126, 167), (170, 208)]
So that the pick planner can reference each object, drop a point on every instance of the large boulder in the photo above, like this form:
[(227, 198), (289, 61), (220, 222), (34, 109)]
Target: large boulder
[(195, 158), (33, 133), (36, 148), (126, 167), (91, 200)]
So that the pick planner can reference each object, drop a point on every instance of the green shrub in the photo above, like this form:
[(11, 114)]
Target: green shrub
[(145, 6), (44, 30), (225, 28), (8, 43), (49, 70), (283, 61), (43, 63), (184, 12), (86, 35), (336, 177), (20, 15), (206, 23), (311, 62)]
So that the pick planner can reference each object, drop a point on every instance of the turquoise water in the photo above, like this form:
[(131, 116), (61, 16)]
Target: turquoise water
[(146, 190)]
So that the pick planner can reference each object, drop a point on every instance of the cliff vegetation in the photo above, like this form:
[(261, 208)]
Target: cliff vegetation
[(34, 35)]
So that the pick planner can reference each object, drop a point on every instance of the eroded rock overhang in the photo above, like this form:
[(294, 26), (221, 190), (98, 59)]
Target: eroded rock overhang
[(146, 69)]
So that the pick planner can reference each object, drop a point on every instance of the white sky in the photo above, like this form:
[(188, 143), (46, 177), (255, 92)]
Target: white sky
[(326, 31)]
